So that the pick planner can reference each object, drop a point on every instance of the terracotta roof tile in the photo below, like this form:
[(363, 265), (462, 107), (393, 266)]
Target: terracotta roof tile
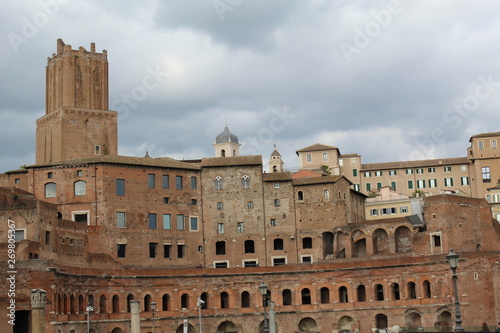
[(414, 164), (231, 161)]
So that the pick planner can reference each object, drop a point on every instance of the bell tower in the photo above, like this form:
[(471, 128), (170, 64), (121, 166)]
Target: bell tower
[(77, 123), (275, 162)]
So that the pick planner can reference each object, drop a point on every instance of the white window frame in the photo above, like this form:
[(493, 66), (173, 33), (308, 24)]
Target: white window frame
[(279, 257), (392, 173), (374, 212), (197, 223), (403, 210), (302, 256), (221, 262), (436, 249), (79, 212), (250, 260), (25, 235), (220, 228), (325, 157), (448, 182), (493, 144), (480, 145), (308, 158)]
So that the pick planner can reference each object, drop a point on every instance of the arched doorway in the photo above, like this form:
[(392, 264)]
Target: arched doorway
[(117, 330), (180, 329), (444, 322), (227, 327), (345, 325), (413, 320), (381, 321), (308, 325)]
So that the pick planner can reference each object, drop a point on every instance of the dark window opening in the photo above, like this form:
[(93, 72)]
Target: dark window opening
[(249, 246), (220, 248), (121, 250), (181, 249), (278, 244), (167, 249), (307, 243), (152, 250)]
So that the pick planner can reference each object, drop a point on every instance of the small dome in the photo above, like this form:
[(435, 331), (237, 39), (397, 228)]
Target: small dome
[(226, 136)]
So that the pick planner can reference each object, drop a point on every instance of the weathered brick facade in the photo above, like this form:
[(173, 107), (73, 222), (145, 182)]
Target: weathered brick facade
[(109, 229)]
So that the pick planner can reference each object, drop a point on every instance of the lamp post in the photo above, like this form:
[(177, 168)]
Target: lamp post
[(198, 304), (153, 308), (453, 261), (89, 309), (263, 292)]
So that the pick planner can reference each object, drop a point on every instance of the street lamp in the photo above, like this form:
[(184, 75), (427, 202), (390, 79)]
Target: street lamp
[(263, 292), (198, 304), (153, 308), (453, 261), (89, 309)]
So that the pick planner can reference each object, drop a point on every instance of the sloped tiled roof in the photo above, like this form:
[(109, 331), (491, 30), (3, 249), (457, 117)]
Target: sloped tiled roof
[(164, 162), (484, 135), (316, 147), (317, 180), (231, 161), (306, 173), (277, 176), (414, 164)]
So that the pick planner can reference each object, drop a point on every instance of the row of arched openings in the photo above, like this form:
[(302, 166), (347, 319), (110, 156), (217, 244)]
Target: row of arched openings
[(219, 182), (79, 187)]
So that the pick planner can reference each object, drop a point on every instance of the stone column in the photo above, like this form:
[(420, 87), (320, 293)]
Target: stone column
[(135, 320), (272, 318), (38, 298)]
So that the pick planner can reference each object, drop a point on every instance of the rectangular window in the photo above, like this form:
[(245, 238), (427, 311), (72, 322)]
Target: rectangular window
[(368, 187), (167, 250), (432, 182), (378, 173), (152, 220), (493, 144), (250, 205), (181, 250), (464, 180), (356, 187), (308, 158), (436, 240), (165, 181), (220, 264), (151, 180), (448, 182), (193, 223), (120, 250), (178, 182), (277, 186), (277, 203), (392, 210), (220, 228), (50, 175), (17, 181), (393, 185), (354, 172), (279, 261), (19, 235), (403, 209), (431, 170), (79, 173), (180, 222), (392, 172), (486, 174), (152, 250), (410, 184), (409, 171), (273, 222), (421, 183), (325, 157), (367, 174), (193, 183), (120, 220), (480, 145), (167, 222), (165, 200), (420, 171), (220, 206), (306, 259), (97, 150), (249, 263), (447, 169), (120, 187), (194, 201), (374, 212), (384, 211), (47, 237), (379, 185), (240, 228)]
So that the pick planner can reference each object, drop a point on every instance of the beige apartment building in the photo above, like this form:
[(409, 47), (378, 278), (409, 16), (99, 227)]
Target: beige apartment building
[(471, 176)]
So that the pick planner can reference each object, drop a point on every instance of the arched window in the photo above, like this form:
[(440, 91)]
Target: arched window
[(427, 289), (204, 298), (395, 291), (343, 296), (249, 246), (326, 194), (81, 304), (287, 297), (218, 183), (278, 244), (379, 292), (72, 304), (300, 195), (245, 299), (306, 296), (307, 243), (361, 293), (165, 302), (50, 190), (80, 187), (277, 203), (381, 321), (147, 303), (130, 298), (223, 153), (102, 304), (224, 300), (325, 295), (185, 301), (116, 304), (245, 182), (412, 291)]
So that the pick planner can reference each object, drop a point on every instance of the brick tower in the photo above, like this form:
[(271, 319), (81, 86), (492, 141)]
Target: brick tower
[(77, 123)]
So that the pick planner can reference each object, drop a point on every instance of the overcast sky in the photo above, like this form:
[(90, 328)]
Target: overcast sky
[(389, 80)]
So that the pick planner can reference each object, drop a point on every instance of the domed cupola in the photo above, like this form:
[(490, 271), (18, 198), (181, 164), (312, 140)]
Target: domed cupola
[(226, 136), (226, 144)]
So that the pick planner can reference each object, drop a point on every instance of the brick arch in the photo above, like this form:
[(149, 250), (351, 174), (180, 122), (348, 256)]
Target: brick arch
[(358, 243), (413, 318), (381, 243), (403, 239), (341, 242)]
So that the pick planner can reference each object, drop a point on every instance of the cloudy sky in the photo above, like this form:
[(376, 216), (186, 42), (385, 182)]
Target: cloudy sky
[(389, 80)]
